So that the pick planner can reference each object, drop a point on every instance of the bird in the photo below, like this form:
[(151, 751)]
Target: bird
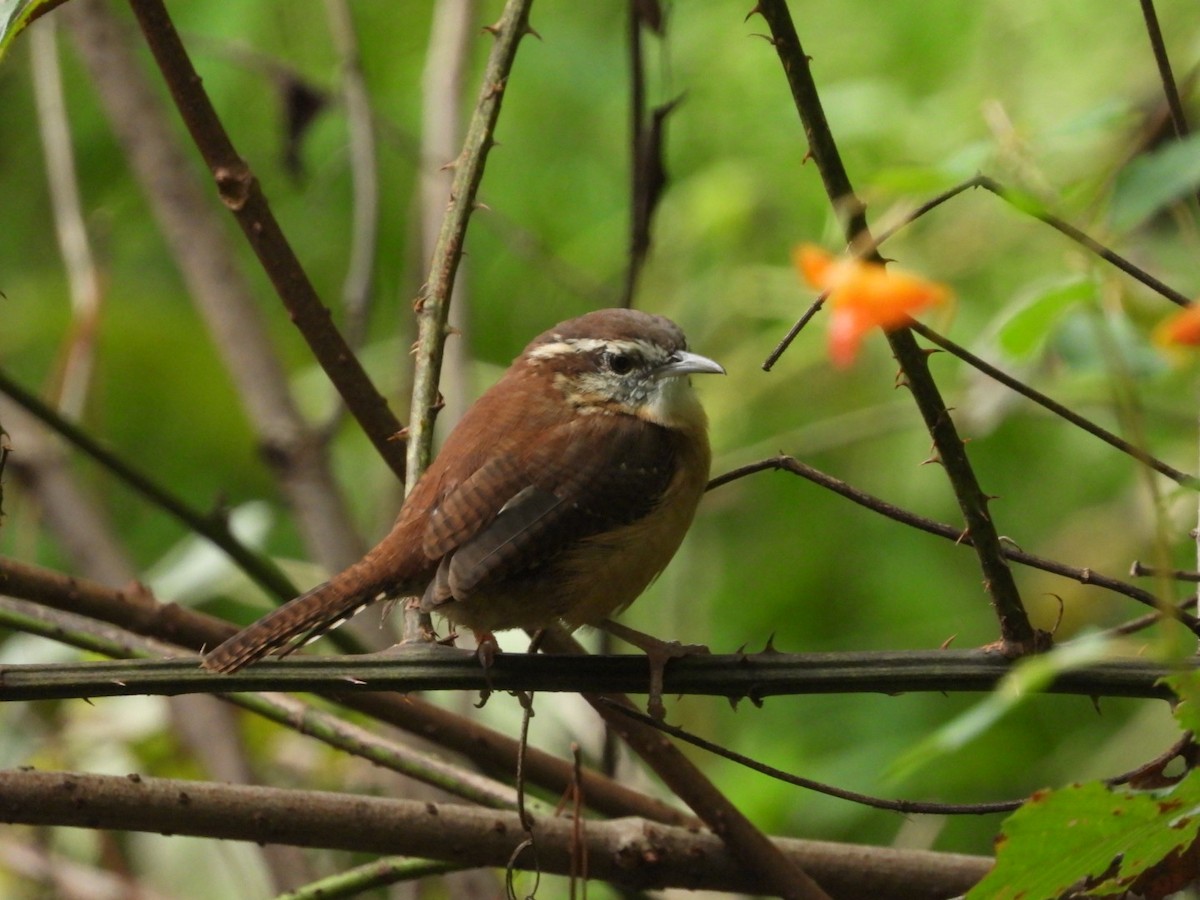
[(563, 491)]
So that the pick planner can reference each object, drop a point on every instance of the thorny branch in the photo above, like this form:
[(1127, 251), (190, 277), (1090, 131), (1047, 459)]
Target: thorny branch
[(433, 305), (1017, 634)]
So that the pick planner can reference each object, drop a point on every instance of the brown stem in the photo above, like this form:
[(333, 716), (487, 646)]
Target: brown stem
[(743, 840), (628, 852), (242, 195), (433, 305)]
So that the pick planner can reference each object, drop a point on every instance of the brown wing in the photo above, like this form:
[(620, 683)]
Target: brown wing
[(582, 478)]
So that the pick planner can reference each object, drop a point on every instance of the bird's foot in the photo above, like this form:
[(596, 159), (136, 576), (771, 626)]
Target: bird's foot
[(486, 648), (658, 654)]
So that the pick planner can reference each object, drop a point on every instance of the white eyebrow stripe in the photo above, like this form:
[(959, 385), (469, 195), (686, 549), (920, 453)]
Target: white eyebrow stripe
[(573, 345), (561, 347)]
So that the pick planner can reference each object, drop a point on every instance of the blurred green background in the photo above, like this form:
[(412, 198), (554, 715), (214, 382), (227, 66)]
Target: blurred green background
[(1053, 98)]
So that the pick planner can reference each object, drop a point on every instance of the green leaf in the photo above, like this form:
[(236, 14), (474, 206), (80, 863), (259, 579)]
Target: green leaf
[(1152, 181), (15, 16), (1107, 839), (1186, 686), (1033, 318)]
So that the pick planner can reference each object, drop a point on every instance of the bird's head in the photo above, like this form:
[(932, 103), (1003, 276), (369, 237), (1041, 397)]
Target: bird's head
[(623, 362)]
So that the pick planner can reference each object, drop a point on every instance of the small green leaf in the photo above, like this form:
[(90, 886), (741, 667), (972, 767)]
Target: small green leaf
[(1094, 837), (1033, 318), (15, 16), (1153, 181), (1187, 711)]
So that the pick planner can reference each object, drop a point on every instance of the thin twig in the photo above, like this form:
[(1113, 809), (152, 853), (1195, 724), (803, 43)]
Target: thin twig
[(1139, 570), (433, 305), (206, 255), (957, 535), (83, 278), (1163, 61), (358, 284), (1019, 202), (260, 568), (1084, 424), (902, 806)]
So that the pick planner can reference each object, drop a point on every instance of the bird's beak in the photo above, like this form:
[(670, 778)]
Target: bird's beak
[(685, 363)]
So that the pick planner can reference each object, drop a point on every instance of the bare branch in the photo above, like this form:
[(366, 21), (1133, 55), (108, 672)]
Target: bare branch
[(243, 197), (628, 852)]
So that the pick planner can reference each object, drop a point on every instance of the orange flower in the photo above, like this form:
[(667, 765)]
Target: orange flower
[(863, 295), (1181, 328)]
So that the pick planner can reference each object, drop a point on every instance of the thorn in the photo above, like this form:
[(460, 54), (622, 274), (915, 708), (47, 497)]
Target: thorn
[(929, 351), (1005, 539), (945, 645), (933, 458), (766, 37), (757, 11), (807, 156), (451, 331), (450, 166), (1062, 608), (740, 653), (964, 537), (479, 205), (733, 702), (493, 30), (769, 647), (350, 679), (401, 435), (529, 29)]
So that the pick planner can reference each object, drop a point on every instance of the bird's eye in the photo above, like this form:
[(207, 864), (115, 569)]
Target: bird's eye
[(618, 363)]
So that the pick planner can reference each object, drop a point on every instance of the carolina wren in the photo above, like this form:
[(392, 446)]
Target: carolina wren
[(559, 497)]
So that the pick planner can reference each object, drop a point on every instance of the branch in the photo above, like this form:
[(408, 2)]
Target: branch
[(433, 304), (735, 676), (490, 750), (242, 195), (628, 852)]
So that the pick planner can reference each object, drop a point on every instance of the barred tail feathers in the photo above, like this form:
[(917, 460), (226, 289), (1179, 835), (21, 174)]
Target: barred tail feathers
[(289, 627)]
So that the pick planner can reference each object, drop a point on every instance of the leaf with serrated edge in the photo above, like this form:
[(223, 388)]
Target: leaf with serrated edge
[(1089, 831)]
